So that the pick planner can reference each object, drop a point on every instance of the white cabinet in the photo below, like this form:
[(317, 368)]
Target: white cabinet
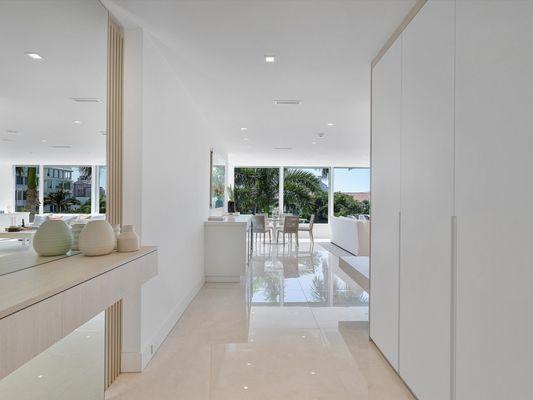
[(494, 199), (466, 132), (427, 201), (386, 124)]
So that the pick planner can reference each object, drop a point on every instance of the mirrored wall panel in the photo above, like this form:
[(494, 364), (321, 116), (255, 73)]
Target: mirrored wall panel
[(53, 80)]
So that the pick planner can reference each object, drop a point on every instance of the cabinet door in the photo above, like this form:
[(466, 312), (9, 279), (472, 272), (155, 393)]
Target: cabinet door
[(385, 234), (494, 200), (427, 201)]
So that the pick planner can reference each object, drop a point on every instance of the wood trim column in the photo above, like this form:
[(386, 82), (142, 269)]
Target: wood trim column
[(115, 94), (113, 342), (115, 87)]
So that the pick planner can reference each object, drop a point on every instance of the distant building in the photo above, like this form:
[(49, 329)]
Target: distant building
[(361, 196)]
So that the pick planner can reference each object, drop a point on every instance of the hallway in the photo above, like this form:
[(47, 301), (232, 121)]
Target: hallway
[(298, 329)]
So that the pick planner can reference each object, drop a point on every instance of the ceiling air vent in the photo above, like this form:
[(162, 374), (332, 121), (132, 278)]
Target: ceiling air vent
[(61, 147), (287, 102), (282, 148), (86, 100)]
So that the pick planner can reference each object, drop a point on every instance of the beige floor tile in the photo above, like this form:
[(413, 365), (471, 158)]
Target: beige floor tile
[(303, 335)]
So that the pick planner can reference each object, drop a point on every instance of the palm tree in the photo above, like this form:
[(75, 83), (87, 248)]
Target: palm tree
[(61, 199), (86, 172), (32, 197)]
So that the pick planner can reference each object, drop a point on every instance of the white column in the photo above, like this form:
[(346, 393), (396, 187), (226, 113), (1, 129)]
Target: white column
[(41, 189), (330, 193), (281, 184)]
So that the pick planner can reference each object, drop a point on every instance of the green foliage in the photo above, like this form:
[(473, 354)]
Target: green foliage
[(303, 195), (62, 200), (345, 205), (256, 189)]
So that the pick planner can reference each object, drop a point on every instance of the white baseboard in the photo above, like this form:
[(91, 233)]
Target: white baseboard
[(151, 347)]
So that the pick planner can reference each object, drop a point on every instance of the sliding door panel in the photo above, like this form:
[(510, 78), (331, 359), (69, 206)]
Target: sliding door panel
[(384, 271), (427, 201), (494, 200)]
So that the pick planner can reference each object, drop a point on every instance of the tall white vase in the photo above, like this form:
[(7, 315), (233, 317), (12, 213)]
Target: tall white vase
[(53, 238), (97, 238), (128, 239)]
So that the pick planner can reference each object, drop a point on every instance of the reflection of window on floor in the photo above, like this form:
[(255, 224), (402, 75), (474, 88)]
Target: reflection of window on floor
[(305, 193), (351, 192), (256, 190)]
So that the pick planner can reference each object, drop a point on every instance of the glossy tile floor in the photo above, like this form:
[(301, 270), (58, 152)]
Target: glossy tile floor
[(298, 329)]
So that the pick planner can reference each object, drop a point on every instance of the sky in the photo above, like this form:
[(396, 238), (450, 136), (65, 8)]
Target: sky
[(348, 179), (351, 180)]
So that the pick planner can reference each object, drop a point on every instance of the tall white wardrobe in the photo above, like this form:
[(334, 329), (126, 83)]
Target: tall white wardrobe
[(451, 299)]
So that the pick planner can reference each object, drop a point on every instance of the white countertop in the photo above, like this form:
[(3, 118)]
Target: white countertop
[(23, 288), (231, 220)]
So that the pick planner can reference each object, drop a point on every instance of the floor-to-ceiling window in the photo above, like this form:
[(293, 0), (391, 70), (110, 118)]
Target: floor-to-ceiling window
[(27, 188), (305, 192), (67, 189), (102, 184), (256, 190), (351, 192)]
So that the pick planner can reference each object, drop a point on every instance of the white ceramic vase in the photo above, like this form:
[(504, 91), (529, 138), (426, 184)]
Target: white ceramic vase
[(76, 230), (97, 238), (128, 240), (53, 238)]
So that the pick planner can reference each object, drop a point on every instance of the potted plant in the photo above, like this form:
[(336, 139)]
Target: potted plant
[(231, 200)]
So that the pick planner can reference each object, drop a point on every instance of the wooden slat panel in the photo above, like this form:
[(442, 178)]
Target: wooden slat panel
[(114, 184), (114, 122)]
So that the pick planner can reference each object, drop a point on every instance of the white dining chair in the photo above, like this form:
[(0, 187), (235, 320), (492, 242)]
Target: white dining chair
[(290, 227), (308, 228), (259, 227)]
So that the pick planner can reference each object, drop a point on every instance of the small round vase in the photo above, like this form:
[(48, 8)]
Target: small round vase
[(128, 240), (53, 238), (76, 230), (97, 238)]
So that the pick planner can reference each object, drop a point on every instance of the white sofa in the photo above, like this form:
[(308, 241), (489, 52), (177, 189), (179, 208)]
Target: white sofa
[(351, 234), (7, 219)]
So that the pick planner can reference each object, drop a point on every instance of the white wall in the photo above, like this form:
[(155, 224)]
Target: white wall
[(172, 174), (6, 187)]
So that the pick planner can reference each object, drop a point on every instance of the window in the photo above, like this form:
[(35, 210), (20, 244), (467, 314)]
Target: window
[(256, 190), (351, 192), (27, 188), (102, 185), (68, 190), (305, 193)]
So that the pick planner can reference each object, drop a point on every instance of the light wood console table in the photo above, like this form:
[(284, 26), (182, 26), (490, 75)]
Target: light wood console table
[(41, 305)]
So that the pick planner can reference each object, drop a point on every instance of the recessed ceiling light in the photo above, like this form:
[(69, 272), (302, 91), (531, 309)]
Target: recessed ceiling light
[(77, 122), (331, 124), (313, 142), (321, 134), (245, 139), (34, 56), (40, 376), (287, 102), (86, 99), (12, 132), (43, 140), (270, 58), (245, 387), (244, 129)]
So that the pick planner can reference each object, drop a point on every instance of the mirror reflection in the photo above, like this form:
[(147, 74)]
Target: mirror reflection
[(53, 80)]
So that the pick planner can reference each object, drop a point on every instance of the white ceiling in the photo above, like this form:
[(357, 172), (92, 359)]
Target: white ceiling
[(324, 50), (35, 95)]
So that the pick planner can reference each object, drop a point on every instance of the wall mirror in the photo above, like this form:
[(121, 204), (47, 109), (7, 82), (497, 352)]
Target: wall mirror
[(217, 181), (53, 75)]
